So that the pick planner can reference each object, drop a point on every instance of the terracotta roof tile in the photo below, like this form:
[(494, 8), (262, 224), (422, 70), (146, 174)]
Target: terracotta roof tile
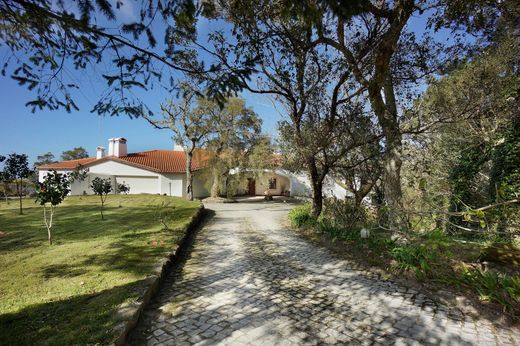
[(161, 161), (67, 165)]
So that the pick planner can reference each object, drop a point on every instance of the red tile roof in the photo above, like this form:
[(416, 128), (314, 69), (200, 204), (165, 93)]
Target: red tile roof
[(66, 165), (160, 161)]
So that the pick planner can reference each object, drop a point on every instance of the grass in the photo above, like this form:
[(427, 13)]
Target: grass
[(68, 293)]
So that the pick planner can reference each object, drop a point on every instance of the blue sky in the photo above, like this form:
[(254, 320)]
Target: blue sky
[(56, 131)]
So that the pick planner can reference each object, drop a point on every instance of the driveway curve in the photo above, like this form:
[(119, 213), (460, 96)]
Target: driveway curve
[(249, 281)]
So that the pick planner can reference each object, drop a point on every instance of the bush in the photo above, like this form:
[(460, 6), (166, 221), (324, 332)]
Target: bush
[(345, 214), (494, 287), (301, 216), (412, 257)]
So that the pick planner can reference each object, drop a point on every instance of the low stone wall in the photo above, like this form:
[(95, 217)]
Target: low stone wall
[(129, 313)]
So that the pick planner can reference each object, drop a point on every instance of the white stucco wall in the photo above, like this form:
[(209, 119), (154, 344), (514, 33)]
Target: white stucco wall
[(300, 185), (78, 187), (117, 168), (262, 184), (172, 184)]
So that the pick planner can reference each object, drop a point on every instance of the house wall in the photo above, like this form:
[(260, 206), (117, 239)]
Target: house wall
[(172, 184), (117, 168), (300, 185), (78, 187), (262, 184), (140, 180)]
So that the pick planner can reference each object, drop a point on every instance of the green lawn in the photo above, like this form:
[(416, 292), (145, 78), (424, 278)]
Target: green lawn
[(67, 293)]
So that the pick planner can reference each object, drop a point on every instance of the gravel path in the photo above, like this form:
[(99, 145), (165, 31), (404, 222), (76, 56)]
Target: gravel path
[(250, 281)]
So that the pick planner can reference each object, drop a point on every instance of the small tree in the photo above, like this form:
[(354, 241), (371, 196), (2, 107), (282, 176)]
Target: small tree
[(17, 168), (101, 187), (123, 188), (53, 190)]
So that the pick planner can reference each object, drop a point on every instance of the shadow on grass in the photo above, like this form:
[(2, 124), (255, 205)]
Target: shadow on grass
[(79, 320), (80, 223), (61, 271)]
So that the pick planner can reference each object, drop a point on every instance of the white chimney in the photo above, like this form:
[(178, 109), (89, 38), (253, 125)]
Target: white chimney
[(111, 146), (100, 152), (120, 148), (178, 147)]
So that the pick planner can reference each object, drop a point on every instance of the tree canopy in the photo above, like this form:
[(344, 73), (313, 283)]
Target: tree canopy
[(74, 154)]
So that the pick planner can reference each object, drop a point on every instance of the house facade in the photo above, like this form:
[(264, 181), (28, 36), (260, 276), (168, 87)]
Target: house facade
[(153, 172), (164, 172)]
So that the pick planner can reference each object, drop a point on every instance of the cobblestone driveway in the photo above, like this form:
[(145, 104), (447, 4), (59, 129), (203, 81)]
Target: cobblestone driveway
[(249, 281)]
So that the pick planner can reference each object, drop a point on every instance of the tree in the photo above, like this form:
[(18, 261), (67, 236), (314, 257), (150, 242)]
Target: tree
[(3, 179), (123, 188), (53, 190), (17, 168), (74, 154), (190, 123), (236, 128), (56, 37), (470, 160), (309, 83), (101, 187), (44, 159)]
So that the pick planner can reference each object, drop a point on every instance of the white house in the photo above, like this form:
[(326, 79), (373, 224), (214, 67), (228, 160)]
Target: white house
[(164, 172)]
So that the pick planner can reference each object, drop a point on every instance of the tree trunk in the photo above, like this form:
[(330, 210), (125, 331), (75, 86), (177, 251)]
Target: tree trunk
[(387, 117), (19, 187), (317, 189), (189, 176), (215, 186), (392, 179)]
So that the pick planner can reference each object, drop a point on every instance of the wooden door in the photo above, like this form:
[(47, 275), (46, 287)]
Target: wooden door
[(251, 187)]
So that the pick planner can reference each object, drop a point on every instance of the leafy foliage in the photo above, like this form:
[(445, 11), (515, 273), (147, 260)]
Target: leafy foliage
[(494, 287), (101, 187), (123, 188), (300, 216), (412, 257), (74, 154), (44, 159), (53, 190), (56, 39), (17, 168)]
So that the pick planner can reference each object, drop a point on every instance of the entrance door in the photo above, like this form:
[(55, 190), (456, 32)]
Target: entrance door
[(251, 187)]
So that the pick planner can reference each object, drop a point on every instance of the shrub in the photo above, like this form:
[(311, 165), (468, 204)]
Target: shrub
[(301, 216), (412, 257), (345, 214), (494, 287)]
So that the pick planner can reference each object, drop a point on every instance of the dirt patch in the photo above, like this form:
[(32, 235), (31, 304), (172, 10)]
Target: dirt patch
[(2, 234)]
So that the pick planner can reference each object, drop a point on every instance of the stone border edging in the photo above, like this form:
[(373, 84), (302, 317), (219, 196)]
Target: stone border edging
[(132, 311)]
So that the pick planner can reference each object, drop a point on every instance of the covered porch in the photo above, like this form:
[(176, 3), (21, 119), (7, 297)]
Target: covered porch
[(265, 183)]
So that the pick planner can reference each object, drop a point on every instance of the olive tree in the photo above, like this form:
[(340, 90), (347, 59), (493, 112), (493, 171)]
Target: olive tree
[(17, 168), (52, 191), (190, 123), (101, 187)]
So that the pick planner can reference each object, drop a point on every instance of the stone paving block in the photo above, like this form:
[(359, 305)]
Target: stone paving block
[(248, 281)]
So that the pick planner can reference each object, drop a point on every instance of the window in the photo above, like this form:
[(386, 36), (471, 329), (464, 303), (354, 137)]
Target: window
[(272, 183)]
